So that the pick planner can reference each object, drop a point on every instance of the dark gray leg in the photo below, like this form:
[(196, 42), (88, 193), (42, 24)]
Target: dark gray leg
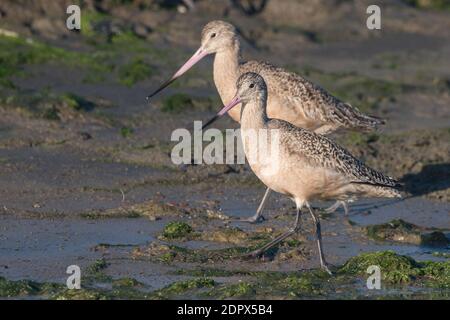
[(316, 220), (258, 217), (278, 239)]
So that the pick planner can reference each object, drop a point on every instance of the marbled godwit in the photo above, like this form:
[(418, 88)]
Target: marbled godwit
[(309, 166), (290, 96)]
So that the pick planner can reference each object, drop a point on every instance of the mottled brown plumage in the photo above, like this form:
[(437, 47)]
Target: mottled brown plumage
[(290, 96), (307, 166), (303, 148)]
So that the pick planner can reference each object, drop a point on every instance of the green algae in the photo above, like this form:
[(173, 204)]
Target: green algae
[(278, 285), (399, 230), (211, 272), (176, 103), (88, 20), (181, 287), (46, 104), (80, 294), (436, 274), (395, 230), (176, 230), (134, 71), (397, 269), (227, 234), (240, 290), (97, 266), (306, 284), (433, 278), (76, 102), (126, 288), (126, 283), (394, 268), (180, 102), (349, 281), (9, 288), (95, 272), (16, 52), (358, 139), (122, 288), (171, 253), (126, 132), (429, 4)]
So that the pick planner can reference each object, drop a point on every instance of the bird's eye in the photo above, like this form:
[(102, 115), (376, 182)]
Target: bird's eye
[(251, 85), (213, 35)]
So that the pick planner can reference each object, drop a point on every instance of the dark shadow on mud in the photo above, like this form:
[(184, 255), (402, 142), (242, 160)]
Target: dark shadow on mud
[(357, 208), (433, 177)]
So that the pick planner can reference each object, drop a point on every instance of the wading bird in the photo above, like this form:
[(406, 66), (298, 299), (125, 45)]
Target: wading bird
[(308, 166), (290, 96)]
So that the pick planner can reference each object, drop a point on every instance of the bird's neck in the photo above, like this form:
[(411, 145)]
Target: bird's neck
[(226, 73), (254, 115)]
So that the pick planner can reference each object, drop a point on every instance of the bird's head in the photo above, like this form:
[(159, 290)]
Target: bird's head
[(216, 36), (250, 86)]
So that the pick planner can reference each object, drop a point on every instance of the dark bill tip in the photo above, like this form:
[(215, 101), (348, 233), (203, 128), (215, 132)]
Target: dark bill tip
[(162, 87), (210, 121)]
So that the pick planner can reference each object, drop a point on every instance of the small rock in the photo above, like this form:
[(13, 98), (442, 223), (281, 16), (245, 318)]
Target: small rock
[(85, 136), (141, 30), (435, 239)]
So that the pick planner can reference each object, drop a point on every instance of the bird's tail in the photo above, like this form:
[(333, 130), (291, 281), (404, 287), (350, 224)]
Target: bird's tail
[(380, 190), (369, 122), (357, 120)]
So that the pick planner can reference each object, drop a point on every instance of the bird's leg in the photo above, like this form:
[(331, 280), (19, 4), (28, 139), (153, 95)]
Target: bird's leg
[(278, 239), (258, 217), (323, 263), (336, 206), (345, 206)]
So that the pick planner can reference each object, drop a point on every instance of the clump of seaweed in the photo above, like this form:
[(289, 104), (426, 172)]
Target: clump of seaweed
[(238, 290), (232, 235), (80, 294), (396, 269), (270, 284), (181, 287), (176, 230), (134, 71), (180, 102), (46, 104), (9, 288), (401, 231), (171, 253)]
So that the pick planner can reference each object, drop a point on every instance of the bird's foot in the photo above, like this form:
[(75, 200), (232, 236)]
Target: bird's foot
[(253, 254), (254, 219), (326, 267), (332, 208), (184, 166)]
